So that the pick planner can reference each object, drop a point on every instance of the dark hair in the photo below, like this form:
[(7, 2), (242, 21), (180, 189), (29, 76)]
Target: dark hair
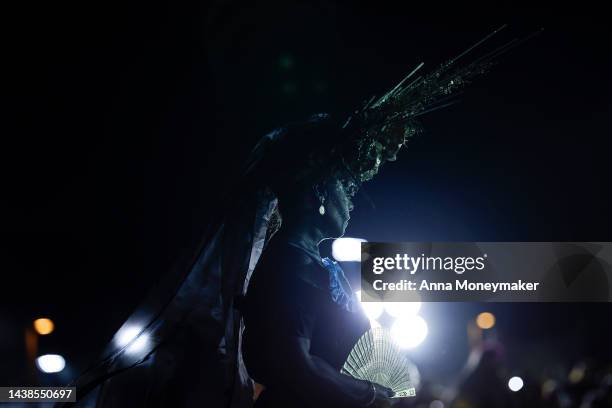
[(302, 154)]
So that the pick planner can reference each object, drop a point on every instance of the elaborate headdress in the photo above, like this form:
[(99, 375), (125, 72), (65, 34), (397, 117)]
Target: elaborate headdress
[(374, 133)]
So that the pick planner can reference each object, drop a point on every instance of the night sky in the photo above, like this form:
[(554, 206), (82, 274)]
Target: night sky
[(125, 123)]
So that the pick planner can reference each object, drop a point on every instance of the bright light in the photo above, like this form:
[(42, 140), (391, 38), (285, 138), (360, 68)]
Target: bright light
[(402, 309), (126, 335), (347, 249), (372, 309), (515, 384), (43, 326), (409, 331), (485, 320), (51, 363), (133, 338), (140, 344)]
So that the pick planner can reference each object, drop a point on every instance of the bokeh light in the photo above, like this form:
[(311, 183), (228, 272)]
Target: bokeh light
[(577, 373), (285, 62), (372, 309), (485, 320), (51, 363), (126, 335), (134, 338), (548, 388), (402, 309), (44, 326), (140, 344), (515, 384), (347, 249), (436, 404), (409, 331)]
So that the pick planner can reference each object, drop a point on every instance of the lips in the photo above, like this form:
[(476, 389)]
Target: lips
[(351, 206)]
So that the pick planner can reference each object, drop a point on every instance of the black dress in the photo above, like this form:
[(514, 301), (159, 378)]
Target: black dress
[(293, 295)]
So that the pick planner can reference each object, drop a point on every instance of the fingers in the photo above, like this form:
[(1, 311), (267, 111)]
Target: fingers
[(389, 392), (384, 392)]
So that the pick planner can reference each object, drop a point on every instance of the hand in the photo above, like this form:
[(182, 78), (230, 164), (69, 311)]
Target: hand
[(382, 396)]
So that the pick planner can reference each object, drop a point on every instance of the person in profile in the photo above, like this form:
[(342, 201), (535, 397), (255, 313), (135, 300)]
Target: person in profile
[(257, 316), (301, 316)]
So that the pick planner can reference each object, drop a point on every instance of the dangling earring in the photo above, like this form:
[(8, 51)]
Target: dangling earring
[(321, 199)]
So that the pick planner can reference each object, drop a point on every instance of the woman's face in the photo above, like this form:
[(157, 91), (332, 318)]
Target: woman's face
[(337, 209)]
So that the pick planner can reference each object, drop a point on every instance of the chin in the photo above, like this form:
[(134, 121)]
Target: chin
[(338, 228), (338, 233)]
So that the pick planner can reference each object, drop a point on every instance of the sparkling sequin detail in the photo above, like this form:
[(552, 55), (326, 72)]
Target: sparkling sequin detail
[(339, 287)]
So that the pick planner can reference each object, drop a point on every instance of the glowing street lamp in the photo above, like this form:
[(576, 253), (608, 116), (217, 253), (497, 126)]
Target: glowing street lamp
[(44, 326), (50, 363), (485, 320)]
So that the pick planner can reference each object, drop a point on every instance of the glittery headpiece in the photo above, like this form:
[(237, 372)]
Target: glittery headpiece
[(374, 133)]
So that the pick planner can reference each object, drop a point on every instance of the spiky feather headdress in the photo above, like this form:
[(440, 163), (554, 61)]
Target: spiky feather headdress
[(374, 133), (353, 150)]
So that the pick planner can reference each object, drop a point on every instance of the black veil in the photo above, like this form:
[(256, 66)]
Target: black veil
[(181, 346)]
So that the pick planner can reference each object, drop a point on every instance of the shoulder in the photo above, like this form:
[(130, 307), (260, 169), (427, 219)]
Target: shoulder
[(300, 269), (285, 268)]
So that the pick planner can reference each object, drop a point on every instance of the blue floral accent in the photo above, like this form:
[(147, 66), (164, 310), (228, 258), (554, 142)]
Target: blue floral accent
[(338, 285)]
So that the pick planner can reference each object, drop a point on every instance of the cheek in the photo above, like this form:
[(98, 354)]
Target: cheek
[(340, 203), (343, 209)]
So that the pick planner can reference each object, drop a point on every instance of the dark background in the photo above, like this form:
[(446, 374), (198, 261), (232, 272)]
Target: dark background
[(125, 122)]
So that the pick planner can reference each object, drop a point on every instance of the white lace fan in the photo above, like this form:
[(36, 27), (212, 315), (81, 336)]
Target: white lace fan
[(377, 358)]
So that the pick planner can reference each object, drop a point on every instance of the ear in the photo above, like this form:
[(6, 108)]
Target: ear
[(320, 193)]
